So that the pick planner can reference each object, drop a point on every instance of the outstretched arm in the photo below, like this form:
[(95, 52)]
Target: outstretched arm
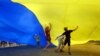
[(56, 38), (75, 28)]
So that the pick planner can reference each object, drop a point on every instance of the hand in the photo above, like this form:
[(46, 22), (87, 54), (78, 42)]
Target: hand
[(50, 24), (77, 26), (56, 38)]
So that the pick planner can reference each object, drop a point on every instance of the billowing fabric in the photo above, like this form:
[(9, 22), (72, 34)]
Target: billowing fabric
[(18, 24)]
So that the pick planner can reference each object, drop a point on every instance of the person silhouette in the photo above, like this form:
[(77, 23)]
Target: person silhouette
[(67, 34), (37, 37), (60, 42), (48, 37)]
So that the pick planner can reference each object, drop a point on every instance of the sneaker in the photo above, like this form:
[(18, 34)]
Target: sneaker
[(61, 51), (69, 53), (56, 51)]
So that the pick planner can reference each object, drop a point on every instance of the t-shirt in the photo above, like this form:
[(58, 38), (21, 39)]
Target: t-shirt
[(67, 34), (47, 32)]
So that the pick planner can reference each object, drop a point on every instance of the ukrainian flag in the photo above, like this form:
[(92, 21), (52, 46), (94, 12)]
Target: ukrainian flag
[(18, 24), (21, 19)]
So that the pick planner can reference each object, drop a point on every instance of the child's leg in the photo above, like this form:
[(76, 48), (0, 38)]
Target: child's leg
[(59, 45), (48, 44), (38, 44), (69, 50), (63, 44)]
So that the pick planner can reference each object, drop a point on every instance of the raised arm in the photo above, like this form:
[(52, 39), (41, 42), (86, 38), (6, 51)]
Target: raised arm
[(75, 28), (50, 26)]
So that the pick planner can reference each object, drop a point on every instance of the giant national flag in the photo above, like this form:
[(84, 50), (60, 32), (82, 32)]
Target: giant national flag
[(21, 19), (18, 24)]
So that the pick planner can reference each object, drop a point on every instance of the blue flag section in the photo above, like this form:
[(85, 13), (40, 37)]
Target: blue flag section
[(18, 24)]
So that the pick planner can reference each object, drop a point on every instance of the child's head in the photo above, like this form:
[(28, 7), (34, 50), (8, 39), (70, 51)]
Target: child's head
[(65, 29), (36, 34), (47, 28)]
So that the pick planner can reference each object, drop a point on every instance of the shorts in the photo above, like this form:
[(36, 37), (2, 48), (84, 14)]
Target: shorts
[(67, 41)]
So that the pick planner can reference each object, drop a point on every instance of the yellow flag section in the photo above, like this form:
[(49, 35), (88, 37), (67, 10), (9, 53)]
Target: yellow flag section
[(68, 13)]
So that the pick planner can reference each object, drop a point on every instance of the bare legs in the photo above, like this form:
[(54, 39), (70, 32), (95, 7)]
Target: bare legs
[(69, 51), (48, 44)]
